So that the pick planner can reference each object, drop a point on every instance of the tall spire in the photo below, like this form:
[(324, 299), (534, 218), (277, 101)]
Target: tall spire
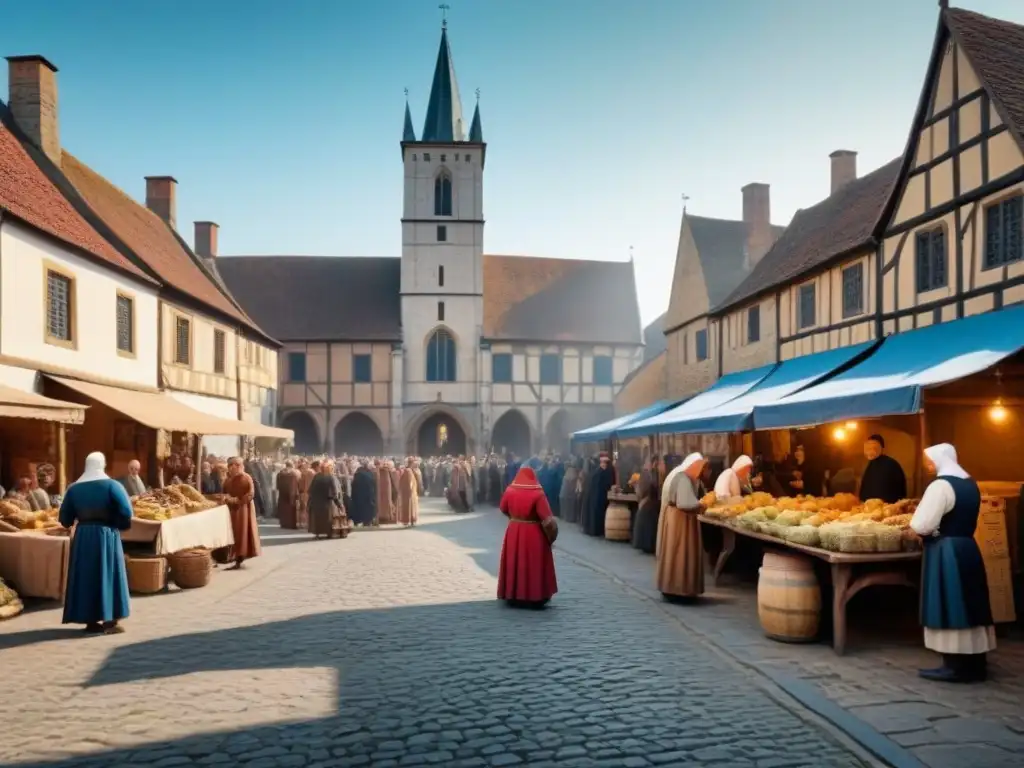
[(476, 130), (408, 134), (444, 110)]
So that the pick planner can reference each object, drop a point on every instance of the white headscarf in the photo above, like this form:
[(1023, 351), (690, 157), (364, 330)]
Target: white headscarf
[(690, 460), (741, 462), (95, 464), (944, 457)]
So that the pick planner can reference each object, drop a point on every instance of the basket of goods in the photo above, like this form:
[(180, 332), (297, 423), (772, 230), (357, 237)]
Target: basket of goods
[(191, 568), (805, 535), (146, 575), (10, 603), (888, 538), (857, 539), (791, 517), (752, 520)]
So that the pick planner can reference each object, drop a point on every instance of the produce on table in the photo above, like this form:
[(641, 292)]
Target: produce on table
[(840, 523), (170, 502)]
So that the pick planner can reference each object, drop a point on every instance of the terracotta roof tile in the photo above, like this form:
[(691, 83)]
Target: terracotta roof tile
[(150, 239), (842, 222), (28, 194), (342, 298), (996, 49), (528, 298)]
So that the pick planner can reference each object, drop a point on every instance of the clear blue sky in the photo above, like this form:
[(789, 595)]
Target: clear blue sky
[(281, 120)]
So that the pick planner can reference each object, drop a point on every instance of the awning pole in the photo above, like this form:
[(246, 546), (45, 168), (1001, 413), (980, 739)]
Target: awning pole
[(922, 438), (199, 463)]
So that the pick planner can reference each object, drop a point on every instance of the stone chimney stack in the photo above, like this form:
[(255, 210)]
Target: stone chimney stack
[(32, 98), (844, 168), (162, 197), (206, 239), (757, 217)]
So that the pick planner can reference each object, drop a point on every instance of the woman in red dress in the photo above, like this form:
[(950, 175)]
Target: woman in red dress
[(526, 575)]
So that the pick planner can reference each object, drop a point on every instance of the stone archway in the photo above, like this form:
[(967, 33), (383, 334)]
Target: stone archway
[(358, 435), (558, 432), (307, 436), (440, 435), (511, 432)]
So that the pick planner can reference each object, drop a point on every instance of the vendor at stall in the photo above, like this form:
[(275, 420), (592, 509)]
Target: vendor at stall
[(798, 477), (883, 476), (680, 556), (955, 610), (735, 481), (132, 482)]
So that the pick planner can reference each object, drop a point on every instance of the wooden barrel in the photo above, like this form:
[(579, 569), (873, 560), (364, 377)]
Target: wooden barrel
[(616, 522), (788, 598)]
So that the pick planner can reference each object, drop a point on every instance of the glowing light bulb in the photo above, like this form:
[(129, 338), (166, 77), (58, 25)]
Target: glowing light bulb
[(997, 412), (839, 434)]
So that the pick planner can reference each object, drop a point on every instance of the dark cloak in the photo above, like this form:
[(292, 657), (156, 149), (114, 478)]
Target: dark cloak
[(363, 508), (884, 479), (601, 482)]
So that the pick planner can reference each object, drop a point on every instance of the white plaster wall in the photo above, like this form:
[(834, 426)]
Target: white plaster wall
[(220, 445), (23, 254), (23, 379)]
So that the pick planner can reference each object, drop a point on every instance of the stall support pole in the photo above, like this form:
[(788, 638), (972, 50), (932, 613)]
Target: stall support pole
[(199, 463), (922, 444), (62, 458)]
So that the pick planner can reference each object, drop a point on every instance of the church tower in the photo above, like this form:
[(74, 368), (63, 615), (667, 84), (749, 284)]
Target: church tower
[(442, 251)]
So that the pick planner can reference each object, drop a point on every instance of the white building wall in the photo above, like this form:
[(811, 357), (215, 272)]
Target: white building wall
[(219, 445), (24, 259)]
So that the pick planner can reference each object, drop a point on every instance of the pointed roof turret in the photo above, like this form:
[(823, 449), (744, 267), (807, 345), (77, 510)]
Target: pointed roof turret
[(408, 134), (444, 110), (476, 129)]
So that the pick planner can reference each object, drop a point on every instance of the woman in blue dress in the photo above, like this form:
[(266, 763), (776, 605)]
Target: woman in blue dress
[(97, 591), (955, 609)]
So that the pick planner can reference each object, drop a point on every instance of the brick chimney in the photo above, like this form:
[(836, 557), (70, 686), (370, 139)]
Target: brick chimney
[(844, 168), (206, 239), (757, 217), (161, 197), (32, 98)]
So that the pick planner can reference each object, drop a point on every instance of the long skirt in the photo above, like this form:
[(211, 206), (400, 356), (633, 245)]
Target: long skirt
[(320, 518), (569, 508), (645, 527), (302, 514), (526, 572), (955, 610), (680, 569), (247, 533), (97, 589), (288, 511)]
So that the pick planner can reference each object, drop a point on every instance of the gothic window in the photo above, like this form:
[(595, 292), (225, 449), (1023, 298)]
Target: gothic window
[(443, 195), (441, 356)]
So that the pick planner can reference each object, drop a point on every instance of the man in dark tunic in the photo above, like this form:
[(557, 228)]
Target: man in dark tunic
[(364, 496), (601, 482), (883, 477)]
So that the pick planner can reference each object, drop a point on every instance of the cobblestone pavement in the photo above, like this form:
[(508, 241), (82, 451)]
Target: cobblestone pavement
[(389, 649), (943, 726)]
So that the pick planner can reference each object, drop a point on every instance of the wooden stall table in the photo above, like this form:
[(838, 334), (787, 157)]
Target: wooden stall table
[(35, 564), (210, 528), (842, 566)]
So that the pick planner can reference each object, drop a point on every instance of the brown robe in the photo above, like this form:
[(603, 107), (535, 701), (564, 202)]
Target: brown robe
[(680, 554), (288, 498), (408, 498), (305, 478), (420, 488), (385, 497), (243, 517)]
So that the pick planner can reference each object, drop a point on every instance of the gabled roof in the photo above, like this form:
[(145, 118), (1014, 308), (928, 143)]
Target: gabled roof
[(318, 298), (151, 241), (721, 247), (839, 224), (995, 49), (654, 338), (527, 298), (28, 195), (444, 109)]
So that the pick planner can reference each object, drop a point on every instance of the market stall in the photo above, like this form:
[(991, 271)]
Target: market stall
[(177, 518)]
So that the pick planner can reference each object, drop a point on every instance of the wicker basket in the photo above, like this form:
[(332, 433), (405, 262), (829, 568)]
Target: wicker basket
[(146, 575), (191, 568)]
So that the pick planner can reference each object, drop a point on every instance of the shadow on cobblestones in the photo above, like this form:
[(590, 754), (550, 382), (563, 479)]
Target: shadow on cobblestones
[(429, 669)]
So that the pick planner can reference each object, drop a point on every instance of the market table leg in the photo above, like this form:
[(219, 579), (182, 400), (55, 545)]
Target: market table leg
[(840, 586), (728, 546)]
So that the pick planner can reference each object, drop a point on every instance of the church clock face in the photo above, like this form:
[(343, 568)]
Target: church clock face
[(442, 434)]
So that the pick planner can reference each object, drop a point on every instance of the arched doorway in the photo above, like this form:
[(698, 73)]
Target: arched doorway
[(307, 437), (558, 433), (511, 432), (440, 435), (358, 435)]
